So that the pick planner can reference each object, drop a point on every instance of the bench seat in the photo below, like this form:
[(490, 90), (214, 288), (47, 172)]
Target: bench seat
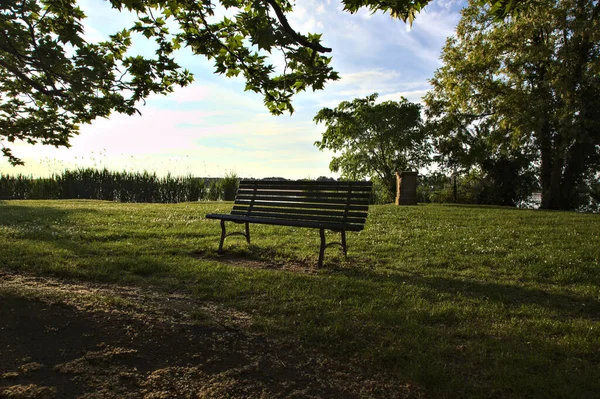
[(285, 222)]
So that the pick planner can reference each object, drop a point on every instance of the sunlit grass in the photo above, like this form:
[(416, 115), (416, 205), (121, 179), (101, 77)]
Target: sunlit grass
[(459, 300)]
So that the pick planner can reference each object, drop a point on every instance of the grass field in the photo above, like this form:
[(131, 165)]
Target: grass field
[(455, 300)]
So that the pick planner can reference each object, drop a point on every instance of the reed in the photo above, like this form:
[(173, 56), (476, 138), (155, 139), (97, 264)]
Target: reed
[(104, 184)]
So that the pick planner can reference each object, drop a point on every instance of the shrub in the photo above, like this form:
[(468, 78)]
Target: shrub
[(229, 186), (381, 193), (214, 190)]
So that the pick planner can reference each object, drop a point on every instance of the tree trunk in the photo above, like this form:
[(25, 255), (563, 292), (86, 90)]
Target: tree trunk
[(555, 190), (546, 167), (454, 191), (392, 188), (575, 170), (561, 173)]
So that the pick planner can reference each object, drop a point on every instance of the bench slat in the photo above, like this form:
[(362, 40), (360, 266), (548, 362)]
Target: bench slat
[(305, 194), (280, 198), (302, 211), (304, 205)]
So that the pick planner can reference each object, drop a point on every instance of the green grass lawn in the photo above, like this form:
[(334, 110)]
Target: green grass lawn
[(458, 300)]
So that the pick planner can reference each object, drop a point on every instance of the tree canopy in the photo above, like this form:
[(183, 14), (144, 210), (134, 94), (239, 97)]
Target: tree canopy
[(374, 140), (52, 80), (526, 89)]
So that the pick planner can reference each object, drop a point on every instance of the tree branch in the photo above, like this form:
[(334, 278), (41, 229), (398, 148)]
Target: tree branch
[(32, 82), (297, 37)]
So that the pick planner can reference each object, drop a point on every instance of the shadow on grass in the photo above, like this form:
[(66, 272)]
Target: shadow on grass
[(14, 214), (258, 257), (486, 351), (69, 250), (507, 294), (511, 296)]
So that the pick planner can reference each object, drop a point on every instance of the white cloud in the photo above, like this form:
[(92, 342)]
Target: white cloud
[(414, 96)]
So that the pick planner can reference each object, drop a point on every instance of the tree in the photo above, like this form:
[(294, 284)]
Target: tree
[(525, 89), (374, 140), (52, 80), (466, 145)]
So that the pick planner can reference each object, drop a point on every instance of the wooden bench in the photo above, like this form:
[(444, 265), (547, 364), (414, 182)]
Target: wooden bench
[(323, 205)]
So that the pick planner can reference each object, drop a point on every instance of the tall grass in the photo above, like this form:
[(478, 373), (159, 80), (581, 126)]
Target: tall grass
[(103, 184)]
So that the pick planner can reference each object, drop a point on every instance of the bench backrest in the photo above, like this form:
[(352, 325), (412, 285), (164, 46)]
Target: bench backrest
[(336, 202)]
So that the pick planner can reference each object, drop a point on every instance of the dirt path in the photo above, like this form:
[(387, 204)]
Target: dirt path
[(62, 339)]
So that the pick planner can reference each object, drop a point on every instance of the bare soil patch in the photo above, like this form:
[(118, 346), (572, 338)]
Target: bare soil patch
[(67, 339)]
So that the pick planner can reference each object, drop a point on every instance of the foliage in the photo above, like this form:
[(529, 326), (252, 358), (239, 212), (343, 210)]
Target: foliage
[(453, 301), (502, 9), (229, 186), (215, 190), (52, 80), (477, 187), (374, 140), (104, 185), (380, 193), (526, 94), (590, 191), (429, 183), (507, 180)]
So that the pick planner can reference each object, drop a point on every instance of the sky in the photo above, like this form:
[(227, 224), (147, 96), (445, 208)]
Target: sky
[(212, 127)]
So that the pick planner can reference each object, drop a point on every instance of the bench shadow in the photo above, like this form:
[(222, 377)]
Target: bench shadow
[(256, 257)]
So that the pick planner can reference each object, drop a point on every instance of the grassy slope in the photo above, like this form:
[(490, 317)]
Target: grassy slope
[(458, 300)]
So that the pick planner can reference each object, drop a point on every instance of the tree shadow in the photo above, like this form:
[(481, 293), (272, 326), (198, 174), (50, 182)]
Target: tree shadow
[(73, 254), (88, 350), (508, 295), (18, 215)]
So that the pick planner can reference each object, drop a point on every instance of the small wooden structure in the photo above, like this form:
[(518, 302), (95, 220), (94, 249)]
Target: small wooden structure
[(406, 188), (323, 205)]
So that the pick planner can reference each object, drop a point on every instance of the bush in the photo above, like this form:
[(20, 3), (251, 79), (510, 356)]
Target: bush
[(229, 186), (214, 190), (477, 187), (381, 193)]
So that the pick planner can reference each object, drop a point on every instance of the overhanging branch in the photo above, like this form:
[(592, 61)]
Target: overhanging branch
[(33, 83), (297, 37)]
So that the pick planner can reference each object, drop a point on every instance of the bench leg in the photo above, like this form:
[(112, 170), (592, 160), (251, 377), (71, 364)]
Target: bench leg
[(222, 236), (324, 245), (322, 250)]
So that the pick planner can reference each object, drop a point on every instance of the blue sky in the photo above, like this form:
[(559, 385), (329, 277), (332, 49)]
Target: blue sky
[(213, 127)]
